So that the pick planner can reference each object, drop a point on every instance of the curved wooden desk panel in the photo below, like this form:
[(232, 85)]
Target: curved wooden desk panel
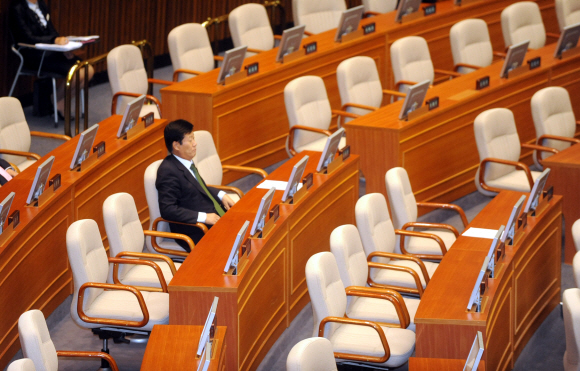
[(260, 303), (443, 139), (33, 262), (526, 289)]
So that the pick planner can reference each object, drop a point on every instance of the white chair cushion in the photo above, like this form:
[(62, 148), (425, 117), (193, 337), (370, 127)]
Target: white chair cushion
[(36, 342), (571, 303), (380, 310), (470, 44), (142, 275), (312, 354), (514, 181), (24, 164), (250, 26), (411, 60), (523, 21), (147, 109), (24, 364), (126, 73), (402, 279), (568, 12), (401, 198), (419, 245), (318, 145), (359, 82), (379, 6), (319, 15), (189, 48), (206, 158), (14, 131)]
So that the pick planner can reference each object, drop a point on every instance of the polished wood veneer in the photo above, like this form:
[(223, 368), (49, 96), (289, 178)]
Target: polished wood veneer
[(435, 364), (257, 305), (33, 261), (526, 289)]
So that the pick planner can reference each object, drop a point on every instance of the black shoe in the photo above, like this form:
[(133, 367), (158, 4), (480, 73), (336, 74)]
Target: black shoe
[(61, 116)]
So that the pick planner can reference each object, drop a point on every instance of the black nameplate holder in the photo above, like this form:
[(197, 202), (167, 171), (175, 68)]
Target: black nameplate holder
[(308, 180), (432, 103), (149, 119), (429, 10), (252, 69), (535, 63), (310, 48), (482, 83), (369, 28), (99, 149), (345, 152), (9, 226)]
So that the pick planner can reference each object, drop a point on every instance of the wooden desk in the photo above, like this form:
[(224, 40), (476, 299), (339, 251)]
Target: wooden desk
[(438, 149), (526, 289), (33, 262), (435, 364), (175, 348), (248, 119), (260, 303), (565, 176)]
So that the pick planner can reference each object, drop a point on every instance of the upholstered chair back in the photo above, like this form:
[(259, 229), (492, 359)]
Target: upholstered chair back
[(523, 21), (189, 48), (401, 198), (375, 225), (568, 12), (14, 131), (250, 26), (312, 354), (359, 82), (24, 364), (571, 309), (319, 15), (126, 73), (470, 44), (411, 60), (380, 6), (347, 248), (206, 159), (36, 342)]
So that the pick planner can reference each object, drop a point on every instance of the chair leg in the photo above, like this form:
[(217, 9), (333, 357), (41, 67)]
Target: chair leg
[(54, 102), (15, 80)]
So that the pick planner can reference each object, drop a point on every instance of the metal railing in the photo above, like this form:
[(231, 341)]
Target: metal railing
[(279, 6)]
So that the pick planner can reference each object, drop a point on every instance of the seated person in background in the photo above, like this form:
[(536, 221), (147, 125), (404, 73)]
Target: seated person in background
[(30, 24), (183, 195), (6, 172)]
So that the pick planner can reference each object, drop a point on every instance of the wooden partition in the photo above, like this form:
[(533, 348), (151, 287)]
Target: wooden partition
[(33, 262)]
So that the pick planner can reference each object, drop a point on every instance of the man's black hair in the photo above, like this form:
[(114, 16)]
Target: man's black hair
[(175, 131)]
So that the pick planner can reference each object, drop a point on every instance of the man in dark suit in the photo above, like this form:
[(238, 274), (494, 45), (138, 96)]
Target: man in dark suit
[(183, 195)]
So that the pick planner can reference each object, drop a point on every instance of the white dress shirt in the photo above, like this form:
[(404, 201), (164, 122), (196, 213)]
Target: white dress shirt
[(36, 9)]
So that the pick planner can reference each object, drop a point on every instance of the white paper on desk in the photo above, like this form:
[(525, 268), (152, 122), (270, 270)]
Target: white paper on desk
[(280, 185), (83, 38), (72, 45), (480, 233)]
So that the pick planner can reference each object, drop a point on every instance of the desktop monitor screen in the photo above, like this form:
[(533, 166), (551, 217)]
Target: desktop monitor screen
[(205, 333), (568, 39), (330, 149), (474, 356), (291, 39), (349, 20), (232, 63), (233, 258), (407, 7), (84, 146), (511, 224), (414, 99), (537, 191), (131, 115), (5, 209), (514, 58), (40, 179), (295, 178), (260, 219)]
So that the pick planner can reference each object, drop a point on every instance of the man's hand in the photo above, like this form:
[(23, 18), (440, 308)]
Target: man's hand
[(11, 172), (61, 40), (212, 218), (228, 202)]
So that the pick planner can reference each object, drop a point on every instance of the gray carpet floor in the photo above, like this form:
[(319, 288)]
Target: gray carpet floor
[(543, 352)]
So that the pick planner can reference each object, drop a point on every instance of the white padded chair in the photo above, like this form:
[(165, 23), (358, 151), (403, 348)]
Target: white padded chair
[(576, 261), (159, 239), (312, 354), (568, 12), (15, 135), (38, 348), (411, 63), (554, 120), (523, 21), (379, 238), (381, 345), (309, 115), (404, 210), (359, 86), (576, 236), (571, 305), (110, 310), (347, 248), (376, 7), (128, 79), (471, 46), (319, 15), (250, 26), (210, 166), (126, 239), (499, 146), (190, 51)]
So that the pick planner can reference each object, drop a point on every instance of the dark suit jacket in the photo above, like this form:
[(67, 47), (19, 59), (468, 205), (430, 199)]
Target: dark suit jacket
[(181, 198), (25, 26)]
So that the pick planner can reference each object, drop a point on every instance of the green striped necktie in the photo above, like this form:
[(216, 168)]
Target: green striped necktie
[(216, 204)]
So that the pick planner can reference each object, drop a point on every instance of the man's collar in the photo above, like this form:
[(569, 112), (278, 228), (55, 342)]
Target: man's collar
[(186, 163)]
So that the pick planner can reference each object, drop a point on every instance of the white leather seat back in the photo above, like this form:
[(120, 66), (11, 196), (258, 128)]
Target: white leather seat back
[(576, 260), (206, 159), (571, 309), (411, 60), (375, 226), (123, 228), (523, 21), (250, 26), (379, 6), (470, 44), (552, 113), (189, 48), (359, 82), (307, 104), (24, 364), (401, 198), (36, 342), (568, 12), (496, 136), (14, 131), (576, 237), (153, 201), (347, 248), (326, 290), (312, 354), (88, 261), (126, 73), (319, 15)]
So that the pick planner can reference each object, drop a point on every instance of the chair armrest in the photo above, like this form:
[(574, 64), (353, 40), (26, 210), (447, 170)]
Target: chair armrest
[(218, 58), (448, 73), (370, 12), (553, 35), (352, 321), (81, 354), (117, 261), (135, 95), (20, 153), (343, 114), (431, 225), (308, 33), (539, 148), (356, 105), (394, 93), (435, 205), (15, 168), (404, 82), (391, 255), (466, 65), (301, 127), (499, 54), (50, 135), (386, 294), (252, 50), (149, 256), (422, 235), (277, 37), (176, 236), (109, 321), (160, 82), (183, 70), (517, 164), (228, 189), (556, 137), (246, 169), (418, 291)]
